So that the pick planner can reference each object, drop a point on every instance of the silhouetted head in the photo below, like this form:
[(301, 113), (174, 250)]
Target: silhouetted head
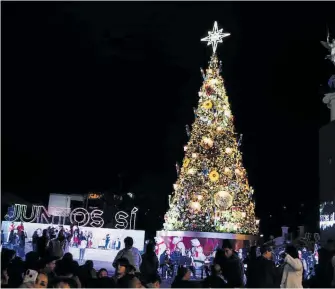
[(128, 242), (292, 251)]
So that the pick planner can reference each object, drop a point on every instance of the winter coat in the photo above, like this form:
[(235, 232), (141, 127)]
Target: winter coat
[(233, 271), (261, 273), (132, 255), (149, 265), (292, 273)]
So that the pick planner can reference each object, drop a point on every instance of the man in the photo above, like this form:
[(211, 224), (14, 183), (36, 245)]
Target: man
[(48, 265), (130, 253), (262, 273), (232, 267), (57, 246)]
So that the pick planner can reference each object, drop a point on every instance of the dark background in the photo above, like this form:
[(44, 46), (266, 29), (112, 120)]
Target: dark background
[(92, 90)]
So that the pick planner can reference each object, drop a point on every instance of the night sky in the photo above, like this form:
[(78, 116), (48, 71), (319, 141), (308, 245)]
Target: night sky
[(91, 90)]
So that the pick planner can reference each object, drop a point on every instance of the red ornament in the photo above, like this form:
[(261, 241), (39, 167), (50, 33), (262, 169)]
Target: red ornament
[(209, 90)]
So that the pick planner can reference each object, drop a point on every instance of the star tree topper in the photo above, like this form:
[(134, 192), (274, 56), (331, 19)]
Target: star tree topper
[(214, 37)]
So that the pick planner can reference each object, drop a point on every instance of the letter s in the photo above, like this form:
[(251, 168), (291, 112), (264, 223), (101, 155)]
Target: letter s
[(96, 219), (121, 220)]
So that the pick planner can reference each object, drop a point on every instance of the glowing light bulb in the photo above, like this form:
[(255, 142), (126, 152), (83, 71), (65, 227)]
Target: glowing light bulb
[(175, 186), (227, 170), (227, 113), (200, 197), (191, 171), (229, 150), (219, 129), (237, 171), (195, 206), (194, 155), (185, 148)]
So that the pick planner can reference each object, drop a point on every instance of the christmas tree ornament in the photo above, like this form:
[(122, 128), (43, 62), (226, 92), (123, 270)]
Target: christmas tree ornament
[(215, 36), (207, 142), (223, 200), (214, 176), (207, 104)]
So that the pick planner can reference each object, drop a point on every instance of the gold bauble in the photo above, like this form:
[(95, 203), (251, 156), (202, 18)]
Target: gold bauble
[(207, 142)]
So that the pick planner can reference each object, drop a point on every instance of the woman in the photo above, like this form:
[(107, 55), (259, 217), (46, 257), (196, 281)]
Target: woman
[(43, 243), (149, 265), (293, 269)]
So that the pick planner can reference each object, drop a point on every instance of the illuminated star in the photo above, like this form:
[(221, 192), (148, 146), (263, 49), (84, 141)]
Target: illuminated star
[(214, 37)]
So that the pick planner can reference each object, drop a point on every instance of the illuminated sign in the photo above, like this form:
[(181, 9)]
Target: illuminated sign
[(80, 216), (327, 221), (94, 196)]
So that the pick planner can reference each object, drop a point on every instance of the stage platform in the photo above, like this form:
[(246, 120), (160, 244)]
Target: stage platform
[(95, 255)]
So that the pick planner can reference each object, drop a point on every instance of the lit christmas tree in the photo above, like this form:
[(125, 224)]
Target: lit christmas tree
[(212, 193)]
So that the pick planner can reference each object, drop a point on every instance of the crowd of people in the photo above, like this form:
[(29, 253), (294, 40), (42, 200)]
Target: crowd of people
[(44, 268)]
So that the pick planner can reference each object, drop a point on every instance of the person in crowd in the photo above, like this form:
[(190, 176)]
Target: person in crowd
[(13, 240), (102, 273), (154, 281), (293, 269), (324, 271), (12, 227), (149, 265), (121, 266), (43, 243), (57, 245), (69, 271), (15, 272), (75, 239), (176, 257), (47, 266), (182, 278), (232, 267), (129, 281), (66, 264), (117, 244), (41, 281), (31, 261), (64, 283), (21, 243), (82, 249), (90, 240), (166, 264), (251, 266), (262, 273), (216, 279), (2, 237), (87, 272), (34, 240), (131, 253), (20, 227), (107, 240), (4, 277)]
